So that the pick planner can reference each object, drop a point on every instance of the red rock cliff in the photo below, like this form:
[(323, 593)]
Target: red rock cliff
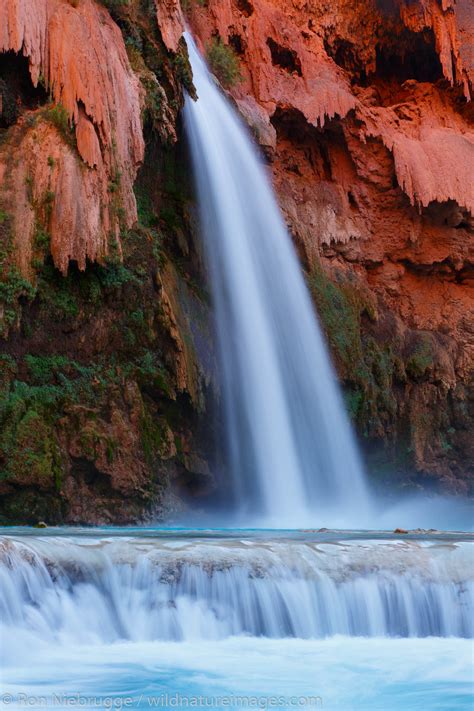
[(106, 368), (78, 156), (364, 112)]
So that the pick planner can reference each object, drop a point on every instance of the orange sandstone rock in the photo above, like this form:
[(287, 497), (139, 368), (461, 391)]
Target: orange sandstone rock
[(285, 60), (363, 110), (170, 21), (78, 52), (452, 22), (432, 146)]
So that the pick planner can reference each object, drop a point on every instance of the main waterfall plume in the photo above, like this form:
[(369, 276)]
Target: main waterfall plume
[(290, 445)]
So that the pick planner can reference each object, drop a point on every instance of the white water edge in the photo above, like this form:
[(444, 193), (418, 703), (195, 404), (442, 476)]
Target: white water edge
[(290, 445), (162, 620), (108, 590)]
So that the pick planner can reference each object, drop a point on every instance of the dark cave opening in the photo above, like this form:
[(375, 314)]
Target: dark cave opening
[(406, 55), (245, 7), (344, 53), (17, 92), (414, 57), (284, 57), (237, 43)]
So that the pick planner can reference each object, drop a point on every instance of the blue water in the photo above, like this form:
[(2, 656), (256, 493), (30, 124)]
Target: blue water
[(67, 654), (347, 673)]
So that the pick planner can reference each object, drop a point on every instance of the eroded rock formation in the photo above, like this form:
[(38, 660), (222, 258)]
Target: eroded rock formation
[(106, 358), (364, 112), (81, 152)]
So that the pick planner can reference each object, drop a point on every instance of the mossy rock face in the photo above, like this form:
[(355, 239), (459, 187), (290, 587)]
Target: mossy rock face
[(411, 425), (223, 62), (13, 286), (94, 386), (9, 105), (32, 453), (420, 359), (367, 366), (28, 506)]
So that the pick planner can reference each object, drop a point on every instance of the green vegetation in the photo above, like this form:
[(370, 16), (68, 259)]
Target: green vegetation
[(421, 358), (115, 4), (187, 4), (224, 62), (91, 348), (182, 67), (13, 286), (28, 446), (58, 116), (375, 365), (368, 368), (341, 305), (151, 437)]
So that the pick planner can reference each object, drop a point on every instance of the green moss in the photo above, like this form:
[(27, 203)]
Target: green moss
[(41, 240), (339, 308), (149, 370), (151, 437), (115, 4), (12, 286), (56, 296), (28, 446), (8, 370), (35, 451), (420, 359), (57, 115), (182, 67), (146, 213), (354, 402), (114, 183), (368, 368), (223, 62), (43, 369)]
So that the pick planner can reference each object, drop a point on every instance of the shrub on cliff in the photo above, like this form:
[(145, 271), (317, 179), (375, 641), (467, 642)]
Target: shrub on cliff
[(223, 62)]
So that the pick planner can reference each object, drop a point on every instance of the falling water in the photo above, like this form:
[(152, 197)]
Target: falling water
[(290, 445), (101, 589)]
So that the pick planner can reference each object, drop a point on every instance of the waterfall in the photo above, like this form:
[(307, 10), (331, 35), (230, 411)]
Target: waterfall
[(76, 590), (290, 446)]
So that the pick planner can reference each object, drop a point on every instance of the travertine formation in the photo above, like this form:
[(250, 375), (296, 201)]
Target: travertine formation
[(77, 53), (170, 21), (364, 112)]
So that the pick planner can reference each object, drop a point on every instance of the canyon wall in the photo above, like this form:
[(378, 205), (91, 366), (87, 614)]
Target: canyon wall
[(363, 113), (365, 116), (106, 351)]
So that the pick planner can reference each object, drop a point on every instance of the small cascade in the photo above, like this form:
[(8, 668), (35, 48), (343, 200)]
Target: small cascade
[(101, 590), (290, 444)]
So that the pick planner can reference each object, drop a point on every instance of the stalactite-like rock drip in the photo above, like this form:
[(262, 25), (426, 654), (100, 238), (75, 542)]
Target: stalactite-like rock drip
[(286, 62), (378, 198), (77, 51), (452, 22), (432, 147), (301, 57), (170, 21)]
